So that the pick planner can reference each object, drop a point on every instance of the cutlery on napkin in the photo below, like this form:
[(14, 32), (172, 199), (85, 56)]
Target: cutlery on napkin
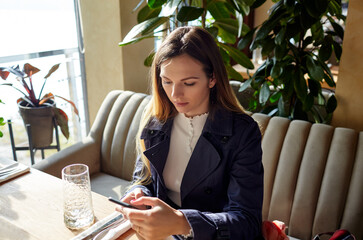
[(106, 223), (113, 232), (13, 170)]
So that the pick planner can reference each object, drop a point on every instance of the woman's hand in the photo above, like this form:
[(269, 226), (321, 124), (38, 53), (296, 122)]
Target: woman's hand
[(157, 222), (131, 196)]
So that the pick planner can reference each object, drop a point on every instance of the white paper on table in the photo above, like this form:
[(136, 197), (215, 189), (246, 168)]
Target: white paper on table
[(114, 232), (19, 169), (100, 226)]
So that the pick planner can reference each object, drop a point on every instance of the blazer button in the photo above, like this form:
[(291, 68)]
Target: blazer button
[(151, 132), (224, 139), (208, 191)]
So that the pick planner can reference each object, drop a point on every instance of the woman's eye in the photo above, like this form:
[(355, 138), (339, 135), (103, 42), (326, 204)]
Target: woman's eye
[(166, 82), (189, 84)]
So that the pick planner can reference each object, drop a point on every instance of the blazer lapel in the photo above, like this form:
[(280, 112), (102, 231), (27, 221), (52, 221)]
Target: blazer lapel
[(158, 154), (203, 161)]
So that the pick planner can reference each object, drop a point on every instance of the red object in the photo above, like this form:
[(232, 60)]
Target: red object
[(274, 230), (340, 234), (4, 74)]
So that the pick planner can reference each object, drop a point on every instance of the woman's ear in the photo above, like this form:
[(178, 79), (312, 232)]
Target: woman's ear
[(212, 81)]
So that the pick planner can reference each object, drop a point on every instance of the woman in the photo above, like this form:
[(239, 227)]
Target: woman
[(200, 175)]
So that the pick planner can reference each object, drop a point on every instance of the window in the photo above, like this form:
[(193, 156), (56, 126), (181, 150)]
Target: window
[(42, 33)]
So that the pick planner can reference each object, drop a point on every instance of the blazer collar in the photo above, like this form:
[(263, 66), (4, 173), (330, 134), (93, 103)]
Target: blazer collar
[(155, 125), (219, 122)]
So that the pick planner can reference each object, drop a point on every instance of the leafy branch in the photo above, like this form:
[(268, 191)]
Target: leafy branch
[(223, 19), (297, 45)]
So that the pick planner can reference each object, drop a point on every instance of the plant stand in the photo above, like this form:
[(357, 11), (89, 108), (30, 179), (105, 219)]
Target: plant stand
[(31, 148)]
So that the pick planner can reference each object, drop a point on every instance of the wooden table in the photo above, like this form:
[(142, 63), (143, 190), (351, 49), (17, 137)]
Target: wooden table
[(31, 207)]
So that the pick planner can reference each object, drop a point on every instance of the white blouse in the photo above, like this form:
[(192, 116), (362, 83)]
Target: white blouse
[(184, 136)]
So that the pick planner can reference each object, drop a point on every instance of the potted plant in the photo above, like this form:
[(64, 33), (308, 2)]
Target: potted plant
[(37, 110), (223, 19), (297, 40)]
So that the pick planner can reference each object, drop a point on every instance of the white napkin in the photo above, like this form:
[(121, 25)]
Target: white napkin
[(99, 227), (15, 170), (114, 232)]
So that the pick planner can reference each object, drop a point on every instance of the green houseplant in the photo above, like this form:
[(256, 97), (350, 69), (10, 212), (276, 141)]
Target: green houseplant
[(222, 18), (297, 40), (37, 109)]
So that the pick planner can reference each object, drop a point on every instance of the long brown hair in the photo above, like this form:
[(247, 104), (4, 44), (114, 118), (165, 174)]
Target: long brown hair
[(200, 45)]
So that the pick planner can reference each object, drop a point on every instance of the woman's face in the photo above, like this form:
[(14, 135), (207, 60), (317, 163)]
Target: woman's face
[(186, 85)]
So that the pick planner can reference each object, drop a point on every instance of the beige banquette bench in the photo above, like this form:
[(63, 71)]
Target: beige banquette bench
[(313, 172)]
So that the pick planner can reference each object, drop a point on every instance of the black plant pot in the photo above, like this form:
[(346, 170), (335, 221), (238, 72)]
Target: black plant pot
[(41, 123)]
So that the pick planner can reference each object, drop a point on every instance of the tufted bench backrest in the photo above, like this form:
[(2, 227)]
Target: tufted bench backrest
[(313, 176), (115, 127)]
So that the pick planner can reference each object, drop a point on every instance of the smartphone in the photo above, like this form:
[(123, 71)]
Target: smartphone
[(121, 203)]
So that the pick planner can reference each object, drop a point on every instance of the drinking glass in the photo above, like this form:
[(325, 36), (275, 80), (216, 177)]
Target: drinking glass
[(78, 209)]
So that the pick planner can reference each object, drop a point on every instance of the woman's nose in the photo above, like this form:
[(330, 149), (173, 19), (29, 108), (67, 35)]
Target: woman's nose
[(177, 91)]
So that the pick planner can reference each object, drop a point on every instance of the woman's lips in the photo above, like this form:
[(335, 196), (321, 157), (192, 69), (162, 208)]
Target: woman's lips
[(180, 104)]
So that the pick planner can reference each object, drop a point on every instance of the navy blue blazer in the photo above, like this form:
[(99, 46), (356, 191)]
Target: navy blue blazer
[(222, 187)]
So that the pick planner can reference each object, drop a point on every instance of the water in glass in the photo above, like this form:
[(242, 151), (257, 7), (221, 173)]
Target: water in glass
[(78, 209)]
